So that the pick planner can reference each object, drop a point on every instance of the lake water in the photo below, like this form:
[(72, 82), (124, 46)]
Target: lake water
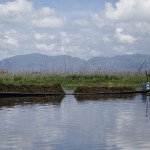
[(119, 122)]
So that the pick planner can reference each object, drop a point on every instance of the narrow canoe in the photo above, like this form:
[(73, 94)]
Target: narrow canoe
[(12, 94), (123, 92)]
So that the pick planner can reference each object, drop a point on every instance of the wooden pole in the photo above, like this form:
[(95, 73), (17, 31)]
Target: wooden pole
[(146, 76)]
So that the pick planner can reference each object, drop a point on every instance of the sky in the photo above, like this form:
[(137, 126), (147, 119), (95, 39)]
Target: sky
[(80, 28)]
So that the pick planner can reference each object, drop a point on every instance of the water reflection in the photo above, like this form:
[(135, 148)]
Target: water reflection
[(51, 100), (110, 123), (83, 98), (146, 99)]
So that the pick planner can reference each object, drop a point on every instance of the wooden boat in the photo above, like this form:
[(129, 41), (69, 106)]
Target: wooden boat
[(79, 91), (124, 92), (13, 94), (95, 90)]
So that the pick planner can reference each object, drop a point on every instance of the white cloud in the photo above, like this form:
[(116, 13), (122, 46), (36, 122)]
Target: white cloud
[(43, 36), (63, 34), (17, 11), (108, 32), (98, 20), (121, 50), (46, 11), (65, 41), (49, 22), (10, 40), (47, 18), (46, 47), (22, 12), (124, 38), (64, 38), (52, 49), (106, 39), (94, 53), (81, 22), (129, 10)]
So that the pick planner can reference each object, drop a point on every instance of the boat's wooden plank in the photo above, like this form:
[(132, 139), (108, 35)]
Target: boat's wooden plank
[(11, 94), (124, 92)]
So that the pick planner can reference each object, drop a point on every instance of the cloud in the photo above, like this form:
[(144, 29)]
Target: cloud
[(120, 28), (124, 38), (65, 39), (46, 11), (81, 22), (23, 12), (45, 46), (130, 21), (49, 22), (8, 38), (17, 11), (43, 36), (129, 11), (106, 39), (63, 34), (48, 18), (122, 50)]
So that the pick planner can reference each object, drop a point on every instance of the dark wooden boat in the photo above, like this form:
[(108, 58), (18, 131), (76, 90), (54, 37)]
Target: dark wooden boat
[(95, 90), (13, 94), (123, 92)]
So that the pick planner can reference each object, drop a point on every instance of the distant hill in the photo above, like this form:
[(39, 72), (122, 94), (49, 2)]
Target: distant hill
[(42, 63), (68, 64), (120, 63)]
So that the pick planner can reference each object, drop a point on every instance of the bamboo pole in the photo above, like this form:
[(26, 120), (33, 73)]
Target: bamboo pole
[(146, 76)]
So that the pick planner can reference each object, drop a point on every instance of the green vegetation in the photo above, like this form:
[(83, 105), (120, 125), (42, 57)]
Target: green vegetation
[(74, 80)]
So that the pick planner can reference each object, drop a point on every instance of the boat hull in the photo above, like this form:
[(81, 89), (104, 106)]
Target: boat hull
[(11, 94)]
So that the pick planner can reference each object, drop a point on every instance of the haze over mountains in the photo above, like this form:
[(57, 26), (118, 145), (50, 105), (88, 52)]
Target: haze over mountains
[(68, 64)]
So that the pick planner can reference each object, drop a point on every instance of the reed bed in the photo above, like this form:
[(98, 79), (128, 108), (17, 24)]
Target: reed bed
[(74, 80)]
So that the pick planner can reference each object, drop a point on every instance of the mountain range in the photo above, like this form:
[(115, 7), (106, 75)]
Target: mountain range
[(68, 64)]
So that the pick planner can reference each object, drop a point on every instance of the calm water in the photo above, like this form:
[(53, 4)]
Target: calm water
[(75, 123)]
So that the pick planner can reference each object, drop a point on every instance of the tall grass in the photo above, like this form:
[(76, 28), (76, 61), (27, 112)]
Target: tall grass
[(74, 80)]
